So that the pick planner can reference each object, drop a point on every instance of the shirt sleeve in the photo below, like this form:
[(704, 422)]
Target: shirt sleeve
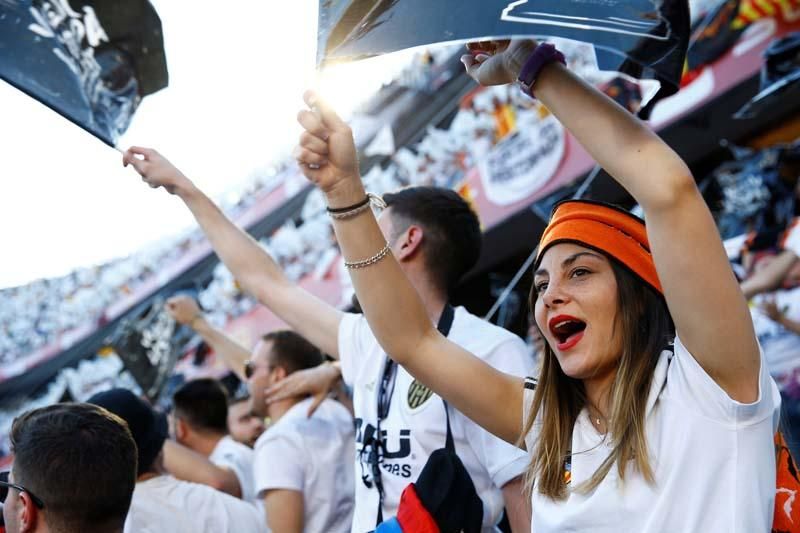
[(503, 461), (689, 383), (353, 332), (791, 239), (232, 462), (278, 463)]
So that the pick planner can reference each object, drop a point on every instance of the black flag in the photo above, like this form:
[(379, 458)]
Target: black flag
[(89, 60), (643, 38)]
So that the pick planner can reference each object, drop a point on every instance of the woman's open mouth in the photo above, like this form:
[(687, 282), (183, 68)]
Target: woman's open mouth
[(567, 330)]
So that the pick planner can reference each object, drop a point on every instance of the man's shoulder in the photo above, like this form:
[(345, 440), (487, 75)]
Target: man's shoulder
[(479, 335), (230, 451)]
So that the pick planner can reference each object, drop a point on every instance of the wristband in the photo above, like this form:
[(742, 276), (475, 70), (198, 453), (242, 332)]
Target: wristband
[(543, 55)]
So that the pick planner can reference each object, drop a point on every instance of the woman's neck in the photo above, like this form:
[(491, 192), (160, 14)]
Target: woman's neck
[(598, 390)]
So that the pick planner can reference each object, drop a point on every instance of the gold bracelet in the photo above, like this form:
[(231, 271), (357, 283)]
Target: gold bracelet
[(370, 261)]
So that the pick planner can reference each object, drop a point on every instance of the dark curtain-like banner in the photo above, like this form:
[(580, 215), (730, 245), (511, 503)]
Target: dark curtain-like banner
[(92, 61), (643, 38)]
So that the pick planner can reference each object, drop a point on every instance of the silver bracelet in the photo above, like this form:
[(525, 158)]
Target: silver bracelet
[(369, 261), (359, 208)]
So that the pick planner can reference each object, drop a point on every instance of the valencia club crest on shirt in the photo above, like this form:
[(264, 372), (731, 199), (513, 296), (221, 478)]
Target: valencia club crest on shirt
[(418, 394)]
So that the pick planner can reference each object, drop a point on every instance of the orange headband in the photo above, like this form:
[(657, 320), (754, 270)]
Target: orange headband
[(613, 231)]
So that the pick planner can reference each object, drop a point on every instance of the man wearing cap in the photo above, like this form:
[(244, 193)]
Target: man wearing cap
[(161, 502)]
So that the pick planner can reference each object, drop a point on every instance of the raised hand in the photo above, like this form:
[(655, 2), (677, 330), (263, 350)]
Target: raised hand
[(770, 307), (184, 309), (501, 62), (155, 169), (318, 382), (326, 152)]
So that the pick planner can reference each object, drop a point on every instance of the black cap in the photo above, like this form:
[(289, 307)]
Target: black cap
[(148, 427)]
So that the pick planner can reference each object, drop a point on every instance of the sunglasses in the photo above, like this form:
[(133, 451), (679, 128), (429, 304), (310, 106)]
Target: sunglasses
[(250, 369), (5, 485)]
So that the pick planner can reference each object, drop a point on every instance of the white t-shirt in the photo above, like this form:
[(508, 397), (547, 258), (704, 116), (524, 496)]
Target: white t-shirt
[(234, 455), (713, 460), (164, 503), (415, 426), (312, 456)]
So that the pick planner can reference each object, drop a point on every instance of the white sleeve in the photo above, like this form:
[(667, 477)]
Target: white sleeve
[(279, 463), (234, 464), (353, 332), (689, 384), (791, 239), (503, 461), (237, 463)]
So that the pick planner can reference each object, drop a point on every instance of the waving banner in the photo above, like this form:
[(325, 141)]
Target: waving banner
[(89, 60), (643, 38)]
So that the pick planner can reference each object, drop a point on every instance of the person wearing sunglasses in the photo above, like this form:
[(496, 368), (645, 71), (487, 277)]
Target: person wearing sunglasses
[(74, 471), (311, 486), (436, 236), (302, 465)]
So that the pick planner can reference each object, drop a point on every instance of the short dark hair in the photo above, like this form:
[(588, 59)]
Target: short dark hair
[(203, 403), (452, 242), (80, 460), (292, 352)]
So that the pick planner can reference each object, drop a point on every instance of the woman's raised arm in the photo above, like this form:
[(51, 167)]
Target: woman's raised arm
[(703, 296), (393, 309)]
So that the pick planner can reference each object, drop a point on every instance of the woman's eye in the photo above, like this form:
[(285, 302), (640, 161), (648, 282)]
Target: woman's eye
[(579, 272), (541, 287)]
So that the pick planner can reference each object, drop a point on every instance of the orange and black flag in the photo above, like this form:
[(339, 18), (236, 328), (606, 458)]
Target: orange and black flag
[(723, 26)]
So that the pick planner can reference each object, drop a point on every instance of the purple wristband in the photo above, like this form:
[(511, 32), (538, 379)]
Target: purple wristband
[(543, 55)]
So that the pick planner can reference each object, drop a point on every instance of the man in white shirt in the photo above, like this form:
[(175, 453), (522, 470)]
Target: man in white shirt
[(161, 502), (200, 420), (436, 238), (302, 464)]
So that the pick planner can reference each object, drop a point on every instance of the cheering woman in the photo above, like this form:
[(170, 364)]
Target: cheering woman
[(653, 409)]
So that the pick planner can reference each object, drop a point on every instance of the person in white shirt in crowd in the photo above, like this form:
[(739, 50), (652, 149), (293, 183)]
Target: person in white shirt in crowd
[(200, 422), (74, 471), (776, 314), (243, 425), (303, 468), (437, 238), (624, 432), (160, 501), (303, 464), (774, 289)]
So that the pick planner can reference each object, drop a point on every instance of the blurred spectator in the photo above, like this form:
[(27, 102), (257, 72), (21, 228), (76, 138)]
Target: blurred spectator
[(161, 502), (200, 418), (774, 287), (303, 465), (315, 453), (244, 426), (74, 471)]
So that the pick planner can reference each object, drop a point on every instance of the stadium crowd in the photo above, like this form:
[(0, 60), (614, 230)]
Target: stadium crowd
[(452, 433)]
